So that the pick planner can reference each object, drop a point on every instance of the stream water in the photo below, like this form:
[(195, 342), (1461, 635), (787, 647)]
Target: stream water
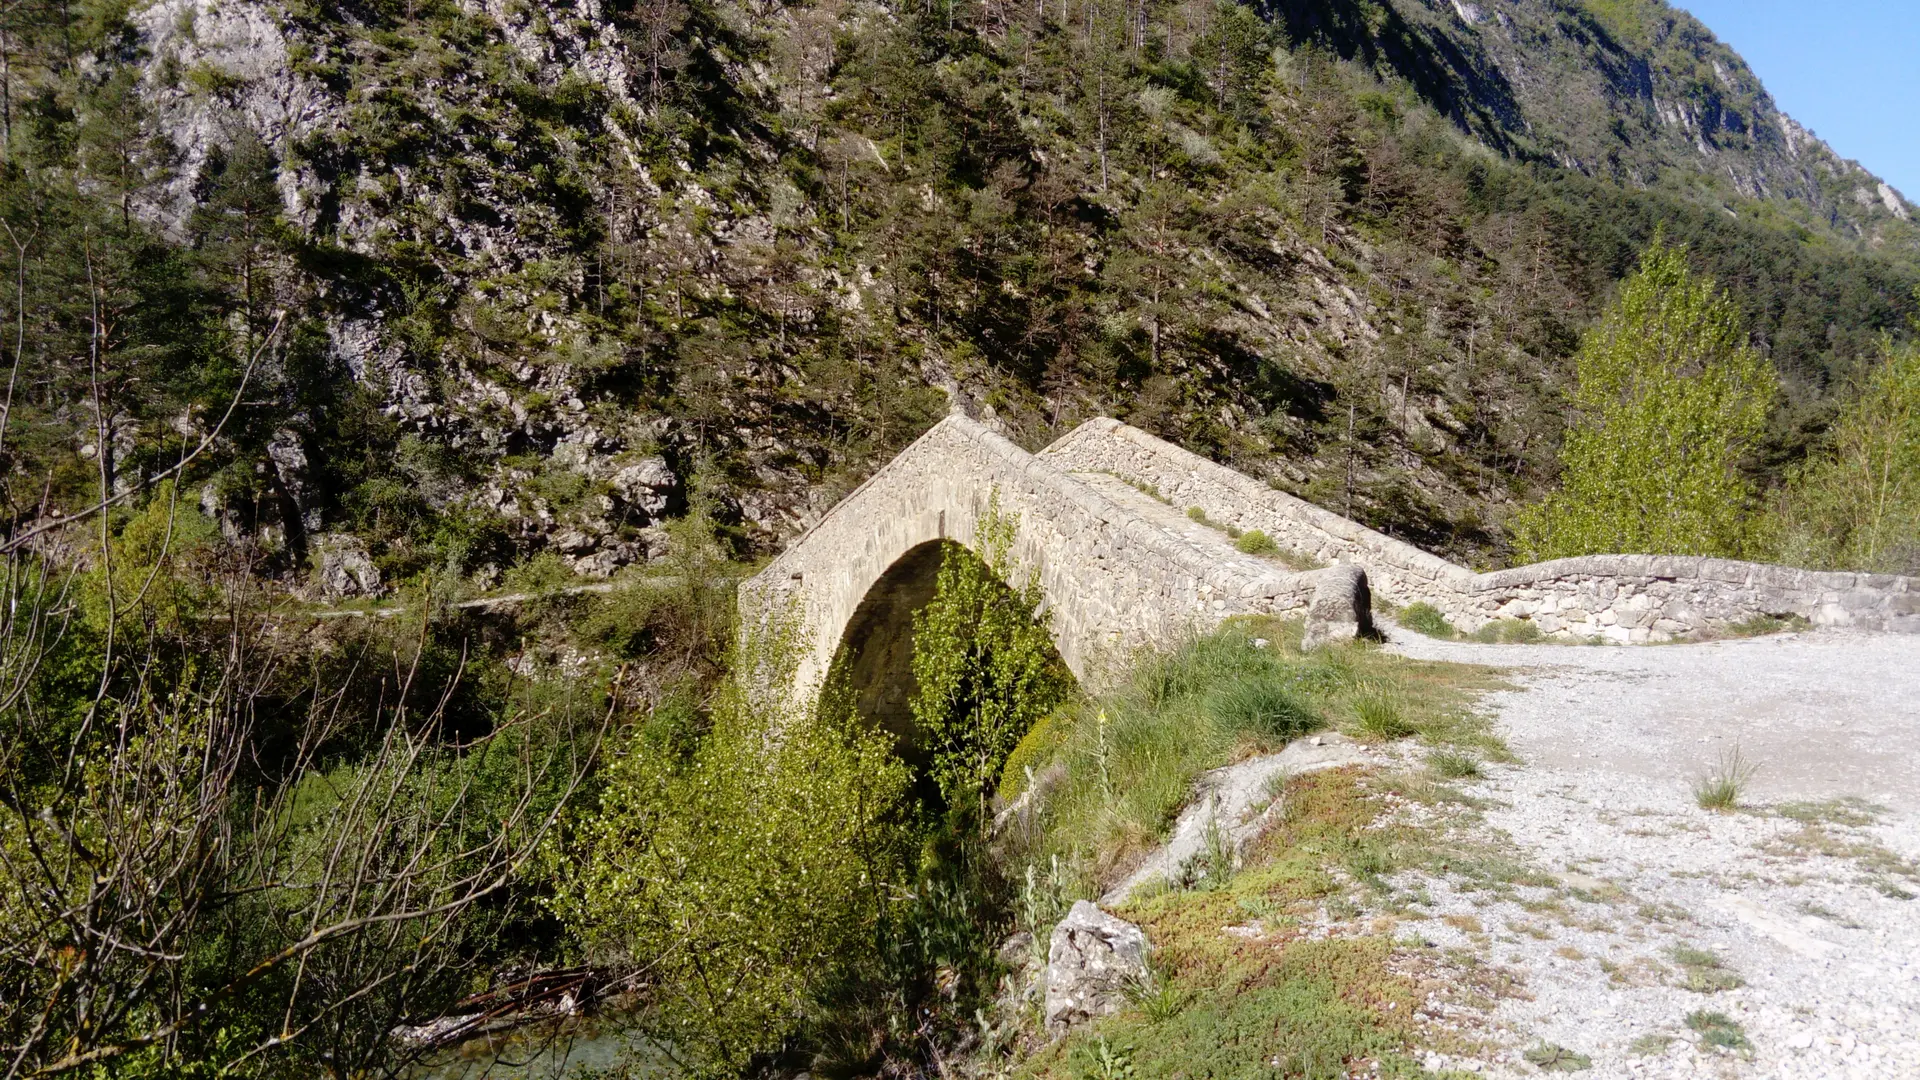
[(577, 1049)]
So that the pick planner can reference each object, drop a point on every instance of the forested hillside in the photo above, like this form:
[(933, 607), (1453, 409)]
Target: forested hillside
[(442, 285)]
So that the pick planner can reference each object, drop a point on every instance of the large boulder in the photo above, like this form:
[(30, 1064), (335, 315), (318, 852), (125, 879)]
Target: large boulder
[(345, 568), (1093, 959), (1342, 607)]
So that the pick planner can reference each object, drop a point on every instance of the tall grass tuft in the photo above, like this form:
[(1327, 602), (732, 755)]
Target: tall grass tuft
[(1380, 713), (1424, 618), (1265, 705), (1721, 788)]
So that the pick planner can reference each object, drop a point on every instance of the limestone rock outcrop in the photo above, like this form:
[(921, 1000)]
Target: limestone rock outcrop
[(1093, 959)]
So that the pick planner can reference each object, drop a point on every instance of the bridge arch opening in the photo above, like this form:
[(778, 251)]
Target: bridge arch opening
[(873, 664)]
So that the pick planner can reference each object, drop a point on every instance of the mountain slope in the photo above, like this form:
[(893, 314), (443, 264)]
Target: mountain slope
[(1632, 91), (532, 279)]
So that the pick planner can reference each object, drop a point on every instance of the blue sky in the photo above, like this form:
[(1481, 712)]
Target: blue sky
[(1848, 69)]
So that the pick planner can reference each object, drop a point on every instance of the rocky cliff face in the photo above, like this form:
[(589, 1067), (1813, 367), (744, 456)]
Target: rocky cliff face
[(1633, 91), (592, 262)]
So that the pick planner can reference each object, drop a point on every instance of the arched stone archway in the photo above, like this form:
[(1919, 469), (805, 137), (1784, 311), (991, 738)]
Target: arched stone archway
[(876, 649), (1118, 570)]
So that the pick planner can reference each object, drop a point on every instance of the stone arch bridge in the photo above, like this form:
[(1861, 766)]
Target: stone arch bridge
[(1104, 522)]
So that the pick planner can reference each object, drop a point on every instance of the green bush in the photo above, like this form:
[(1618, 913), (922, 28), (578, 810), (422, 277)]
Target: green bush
[(985, 668), (1424, 618), (748, 879), (1855, 505), (1255, 542)]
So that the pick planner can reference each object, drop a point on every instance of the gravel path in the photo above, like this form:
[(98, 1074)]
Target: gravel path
[(1804, 901)]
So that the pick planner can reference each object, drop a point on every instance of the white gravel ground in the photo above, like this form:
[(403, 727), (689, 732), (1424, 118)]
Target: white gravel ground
[(1818, 921)]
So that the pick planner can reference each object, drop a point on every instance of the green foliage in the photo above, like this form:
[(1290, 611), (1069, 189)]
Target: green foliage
[(1424, 618), (1255, 542), (983, 664), (1129, 759), (1855, 505), (1669, 398), (748, 877), (1718, 1030)]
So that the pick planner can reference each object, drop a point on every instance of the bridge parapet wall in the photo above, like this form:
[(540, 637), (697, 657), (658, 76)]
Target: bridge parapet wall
[(1624, 598)]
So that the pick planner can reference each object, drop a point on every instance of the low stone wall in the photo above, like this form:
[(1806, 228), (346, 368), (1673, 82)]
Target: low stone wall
[(1622, 598)]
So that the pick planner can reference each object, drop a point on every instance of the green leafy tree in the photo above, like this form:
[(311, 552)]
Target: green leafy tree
[(985, 668), (1668, 400), (1857, 505), (747, 878)]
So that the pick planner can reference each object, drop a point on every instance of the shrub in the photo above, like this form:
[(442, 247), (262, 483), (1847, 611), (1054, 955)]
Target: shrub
[(1033, 749), (985, 668), (1255, 542), (747, 878), (1856, 504), (1424, 618)]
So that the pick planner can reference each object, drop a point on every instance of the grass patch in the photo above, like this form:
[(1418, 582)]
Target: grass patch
[(1851, 812), (1257, 1007), (1550, 1058), (1704, 972), (1379, 713), (1722, 788), (1880, 863), (1718, 1029), (1509, 631), (1762, 625), (1314, 1009), (1454, 765), (1424, 618), (1128, 760), (1650, 1045)]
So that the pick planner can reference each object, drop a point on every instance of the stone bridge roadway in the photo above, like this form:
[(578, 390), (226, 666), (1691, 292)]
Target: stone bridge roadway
[(1123, 570)]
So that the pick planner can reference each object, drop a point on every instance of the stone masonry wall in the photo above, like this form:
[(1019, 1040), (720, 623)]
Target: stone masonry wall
[(1119, 571), (1622, 598)]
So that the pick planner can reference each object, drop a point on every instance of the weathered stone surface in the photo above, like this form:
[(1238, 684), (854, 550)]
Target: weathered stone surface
[(1120, 570), (1092, 960), (345, 568), (1342, 607), (1619, 598), (646, 486)]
